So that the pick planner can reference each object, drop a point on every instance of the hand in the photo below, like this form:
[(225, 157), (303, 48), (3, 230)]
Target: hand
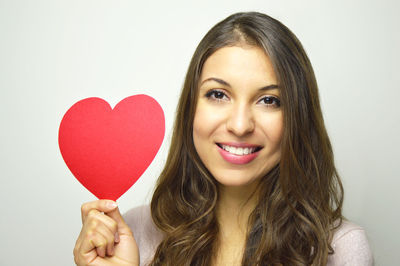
[(105, 238)]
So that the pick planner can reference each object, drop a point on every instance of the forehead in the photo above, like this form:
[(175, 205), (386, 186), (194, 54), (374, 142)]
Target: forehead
[(239, 64)]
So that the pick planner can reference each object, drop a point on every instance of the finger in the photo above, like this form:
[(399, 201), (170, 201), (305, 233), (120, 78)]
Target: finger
[(93, 241), (109, 236), (96, 218), (99, 205), (104, 225), (123, 228), (116, 237), (77, 257)]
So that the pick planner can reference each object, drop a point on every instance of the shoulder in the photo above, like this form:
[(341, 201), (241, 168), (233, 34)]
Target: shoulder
[(138, 216), (146, 234), (350, 246)]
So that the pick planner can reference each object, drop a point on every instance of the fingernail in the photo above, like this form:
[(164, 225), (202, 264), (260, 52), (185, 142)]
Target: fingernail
[(112, 205), (116, 237)]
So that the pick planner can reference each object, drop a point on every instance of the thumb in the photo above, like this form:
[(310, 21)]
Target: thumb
[(123, 228)]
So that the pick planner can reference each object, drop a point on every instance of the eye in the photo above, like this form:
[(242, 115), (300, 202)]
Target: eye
[(217, 95), (270, 101)]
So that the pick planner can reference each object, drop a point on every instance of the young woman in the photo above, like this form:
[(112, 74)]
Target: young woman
[(250, 176)]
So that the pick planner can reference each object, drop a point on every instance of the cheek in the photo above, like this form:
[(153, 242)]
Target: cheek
[(206, 121), (198, 118), (200, 125), (273, 128), (277, 132)]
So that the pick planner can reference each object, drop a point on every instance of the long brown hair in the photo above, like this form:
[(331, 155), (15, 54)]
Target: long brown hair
[(300, 199)]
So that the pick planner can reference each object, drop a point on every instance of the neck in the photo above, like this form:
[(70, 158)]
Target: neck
[(234, 207)]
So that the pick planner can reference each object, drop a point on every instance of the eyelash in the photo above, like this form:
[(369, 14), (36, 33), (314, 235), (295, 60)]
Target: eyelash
[(212, 95), (276, 102)]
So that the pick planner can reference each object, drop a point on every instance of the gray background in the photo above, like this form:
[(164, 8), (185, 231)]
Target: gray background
[(54, 53)]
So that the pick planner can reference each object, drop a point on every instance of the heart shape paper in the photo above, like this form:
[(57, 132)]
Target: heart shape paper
[(107, 149)]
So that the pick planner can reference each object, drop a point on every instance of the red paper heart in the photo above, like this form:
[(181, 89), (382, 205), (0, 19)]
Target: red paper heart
[(107, 149)]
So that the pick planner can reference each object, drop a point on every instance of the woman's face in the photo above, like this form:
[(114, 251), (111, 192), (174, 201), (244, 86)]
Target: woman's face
[(238, 122)]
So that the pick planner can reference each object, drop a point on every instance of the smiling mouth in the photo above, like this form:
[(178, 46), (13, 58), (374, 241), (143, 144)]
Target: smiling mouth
[(240, 151)]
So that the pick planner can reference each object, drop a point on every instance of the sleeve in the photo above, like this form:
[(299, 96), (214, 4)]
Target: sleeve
[(144, 231), (351, 248)]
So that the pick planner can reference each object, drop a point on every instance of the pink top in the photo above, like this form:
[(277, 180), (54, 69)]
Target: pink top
[(349, 241)]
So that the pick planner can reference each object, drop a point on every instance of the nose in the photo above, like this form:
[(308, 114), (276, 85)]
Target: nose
[(240, 120)]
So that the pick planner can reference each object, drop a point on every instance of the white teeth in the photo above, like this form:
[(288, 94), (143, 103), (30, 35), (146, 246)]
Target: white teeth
[(238, 151)]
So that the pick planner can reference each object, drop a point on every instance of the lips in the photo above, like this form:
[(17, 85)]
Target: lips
[(238, 153)]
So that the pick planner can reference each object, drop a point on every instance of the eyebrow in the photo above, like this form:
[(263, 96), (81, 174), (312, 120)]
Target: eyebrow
[(223, 82)]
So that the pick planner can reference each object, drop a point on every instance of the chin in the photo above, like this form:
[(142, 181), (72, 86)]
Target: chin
[(234, 181)]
